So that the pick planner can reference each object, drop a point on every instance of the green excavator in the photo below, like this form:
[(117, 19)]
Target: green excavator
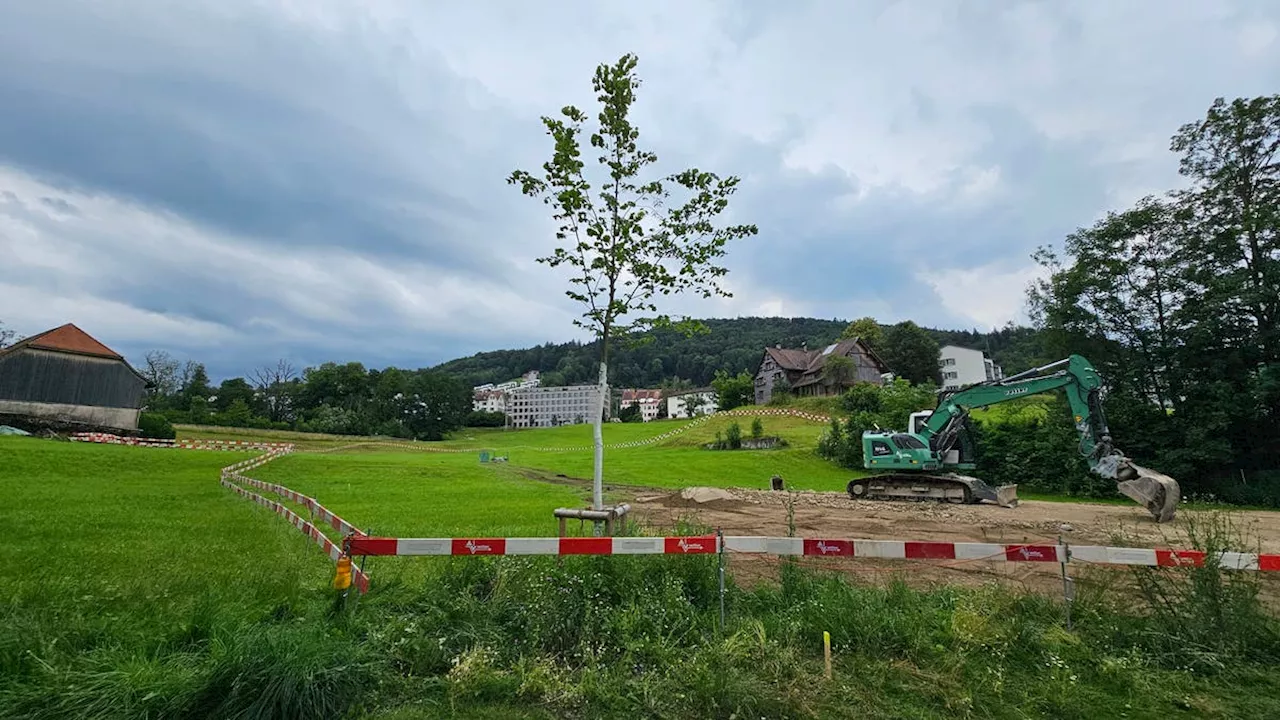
[(921, 462)]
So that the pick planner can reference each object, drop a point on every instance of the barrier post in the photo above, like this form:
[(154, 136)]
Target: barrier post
[(720, 553), (1068, 585)]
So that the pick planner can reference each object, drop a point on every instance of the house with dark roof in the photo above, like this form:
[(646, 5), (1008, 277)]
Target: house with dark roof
[(806, 373), (64, 378)]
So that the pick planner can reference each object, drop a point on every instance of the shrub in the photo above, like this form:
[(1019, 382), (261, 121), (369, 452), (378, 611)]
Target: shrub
[(757, 429), (155, 425), (733, 436)]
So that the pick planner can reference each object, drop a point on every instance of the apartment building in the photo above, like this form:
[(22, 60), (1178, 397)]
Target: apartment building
[(691, 403), (960, 367), (649, 401), (491, 397), (536, 406)]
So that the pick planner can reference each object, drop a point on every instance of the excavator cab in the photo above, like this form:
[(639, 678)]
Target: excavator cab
[(897, 451)]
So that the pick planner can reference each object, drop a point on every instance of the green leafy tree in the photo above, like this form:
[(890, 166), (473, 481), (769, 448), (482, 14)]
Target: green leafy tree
[(757, 429), (911, 353), (733, 390), (867, 330), (434, 404), (630, 413), (733, 437), (625, 243), (839, 371)]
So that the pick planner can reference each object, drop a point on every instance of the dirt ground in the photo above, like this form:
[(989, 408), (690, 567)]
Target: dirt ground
[(837, 516)]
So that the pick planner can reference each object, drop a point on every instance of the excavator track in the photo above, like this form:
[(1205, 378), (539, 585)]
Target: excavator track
[(949, 487)]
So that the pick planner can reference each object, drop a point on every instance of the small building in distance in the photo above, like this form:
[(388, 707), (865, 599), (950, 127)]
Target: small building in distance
[(804, 371), (691, 403), (961, 367), (648, 400), (63, 378)]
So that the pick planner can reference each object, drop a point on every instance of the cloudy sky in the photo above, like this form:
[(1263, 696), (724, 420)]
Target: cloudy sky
[(242, 180)]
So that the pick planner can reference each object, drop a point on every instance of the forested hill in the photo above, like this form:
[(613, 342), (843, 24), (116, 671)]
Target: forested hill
[(734, 345)]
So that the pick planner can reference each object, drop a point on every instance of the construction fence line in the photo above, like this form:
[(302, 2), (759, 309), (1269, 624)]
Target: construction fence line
[(357, 543)]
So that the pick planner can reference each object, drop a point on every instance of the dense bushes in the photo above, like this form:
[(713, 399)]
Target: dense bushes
[(480, 418), (155, 425)]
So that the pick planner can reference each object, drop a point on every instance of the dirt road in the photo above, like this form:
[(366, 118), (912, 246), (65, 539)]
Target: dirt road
[(835, 516)]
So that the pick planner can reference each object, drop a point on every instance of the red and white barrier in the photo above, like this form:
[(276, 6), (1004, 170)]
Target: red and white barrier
[(909, 550), (183, 443), (683, 545)]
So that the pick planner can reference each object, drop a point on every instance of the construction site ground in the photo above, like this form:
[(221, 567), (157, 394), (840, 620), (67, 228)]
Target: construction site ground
[(837, 516)]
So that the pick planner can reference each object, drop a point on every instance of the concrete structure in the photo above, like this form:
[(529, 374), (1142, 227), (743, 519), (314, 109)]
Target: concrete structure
[(804, 371), (648, 400), (960, 367), (551, 406), (691, 403), (65, 378)]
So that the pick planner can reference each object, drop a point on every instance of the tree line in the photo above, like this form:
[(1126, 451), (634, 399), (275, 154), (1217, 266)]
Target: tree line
[(344, 399), (1176, 300)]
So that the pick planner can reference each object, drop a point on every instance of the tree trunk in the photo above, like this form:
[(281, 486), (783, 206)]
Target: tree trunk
[(597, 485)]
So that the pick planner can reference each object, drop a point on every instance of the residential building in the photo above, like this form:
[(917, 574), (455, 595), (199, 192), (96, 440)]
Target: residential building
[(493, 401), (648, 400), (536, 406), (691, 403), (960, 367), (493, 398), (65, 378), (804, 372)]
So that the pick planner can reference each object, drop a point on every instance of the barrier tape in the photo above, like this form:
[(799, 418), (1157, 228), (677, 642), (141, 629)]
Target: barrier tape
[(186, 444)]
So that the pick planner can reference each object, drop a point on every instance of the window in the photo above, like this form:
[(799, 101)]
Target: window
[(908, 442)]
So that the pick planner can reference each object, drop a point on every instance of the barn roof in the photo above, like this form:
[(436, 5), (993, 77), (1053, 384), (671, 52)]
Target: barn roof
[(66, 338)]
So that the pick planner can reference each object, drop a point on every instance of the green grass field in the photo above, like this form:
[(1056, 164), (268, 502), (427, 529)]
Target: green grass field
[(138, 587)]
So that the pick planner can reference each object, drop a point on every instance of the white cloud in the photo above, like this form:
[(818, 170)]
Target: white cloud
[(989, 295)]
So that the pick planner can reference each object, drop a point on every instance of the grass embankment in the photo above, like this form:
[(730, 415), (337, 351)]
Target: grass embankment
[(138, 587)]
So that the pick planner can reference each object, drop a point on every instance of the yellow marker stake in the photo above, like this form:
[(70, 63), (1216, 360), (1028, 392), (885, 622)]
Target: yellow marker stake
[(826, 650), (342, 578)]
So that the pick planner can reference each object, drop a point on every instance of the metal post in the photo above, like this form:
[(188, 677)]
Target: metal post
[(720, 553), (1068, 585)]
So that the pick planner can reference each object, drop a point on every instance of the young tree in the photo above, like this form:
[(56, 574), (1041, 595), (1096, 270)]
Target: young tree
[(625, 244)]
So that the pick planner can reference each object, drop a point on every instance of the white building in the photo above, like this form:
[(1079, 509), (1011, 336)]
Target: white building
[(691, 403), (494, 401), (535, 406), (494, 398), (648, 400), (961, 366)]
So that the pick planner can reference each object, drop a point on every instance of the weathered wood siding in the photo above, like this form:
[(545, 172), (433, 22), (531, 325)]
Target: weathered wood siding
[(41, 376)]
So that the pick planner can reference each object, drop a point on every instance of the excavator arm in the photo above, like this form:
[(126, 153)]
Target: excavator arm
[(1157, 492)]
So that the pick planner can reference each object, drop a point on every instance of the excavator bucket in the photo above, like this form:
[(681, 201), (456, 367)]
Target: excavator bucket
[(1156, 491)]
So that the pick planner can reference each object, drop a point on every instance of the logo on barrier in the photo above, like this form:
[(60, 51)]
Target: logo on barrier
[(473, 547), (687, 546), (479, 546), (1031, 553), (828, 547)]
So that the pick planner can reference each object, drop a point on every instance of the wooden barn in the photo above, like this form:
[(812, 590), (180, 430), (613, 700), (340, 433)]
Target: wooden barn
[(64, 378)]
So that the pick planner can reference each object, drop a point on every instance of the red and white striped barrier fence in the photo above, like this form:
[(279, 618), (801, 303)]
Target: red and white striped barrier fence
[(681, 545), (183, 443), (812, 547), (330, 548)]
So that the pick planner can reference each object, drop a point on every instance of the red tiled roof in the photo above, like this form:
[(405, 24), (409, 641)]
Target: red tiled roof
[(66, 338), (629, 395)]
